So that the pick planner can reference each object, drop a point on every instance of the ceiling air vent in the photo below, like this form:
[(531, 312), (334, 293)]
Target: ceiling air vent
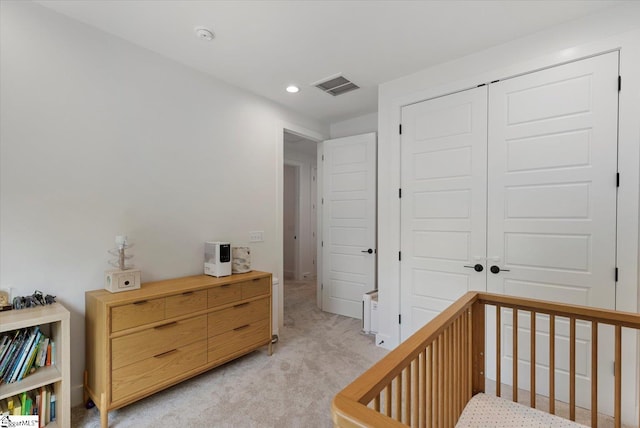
[(336, 85)]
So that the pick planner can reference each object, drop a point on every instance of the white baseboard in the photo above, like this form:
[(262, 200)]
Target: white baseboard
[(76, 395)]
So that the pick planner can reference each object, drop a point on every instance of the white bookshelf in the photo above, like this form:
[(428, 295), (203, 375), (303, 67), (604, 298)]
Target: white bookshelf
[(54, 318)]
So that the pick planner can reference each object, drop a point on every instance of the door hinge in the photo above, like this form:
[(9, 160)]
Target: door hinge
[(322, 201), (616, 274), (400, 129), (619, 83), (321, 286), (495, 81), (399, 255), (481, 85), (322, 157), (399, 318), (322, 243), (617, 179), (399, 193)]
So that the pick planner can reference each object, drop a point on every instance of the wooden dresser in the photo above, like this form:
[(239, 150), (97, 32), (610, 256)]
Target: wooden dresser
[(142, 341)]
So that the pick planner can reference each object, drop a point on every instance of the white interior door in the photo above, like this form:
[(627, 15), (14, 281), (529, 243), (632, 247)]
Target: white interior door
[(349, 223), (443, 203), (552, 201)]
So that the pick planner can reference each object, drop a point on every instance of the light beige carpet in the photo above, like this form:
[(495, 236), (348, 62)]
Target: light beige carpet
[(317, 355)]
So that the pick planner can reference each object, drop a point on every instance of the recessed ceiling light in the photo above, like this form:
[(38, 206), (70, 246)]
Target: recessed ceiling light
[(204, 33), (292, 89)]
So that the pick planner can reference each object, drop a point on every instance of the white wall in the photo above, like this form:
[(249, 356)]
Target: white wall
[(307, 227), (355, 126), (100, 137), (608, 30)]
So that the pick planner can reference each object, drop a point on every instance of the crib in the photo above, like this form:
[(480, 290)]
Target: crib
[(429, 379)]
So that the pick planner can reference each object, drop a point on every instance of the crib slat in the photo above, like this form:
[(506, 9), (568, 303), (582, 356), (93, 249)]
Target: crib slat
[(552, 364), (408, 397), (376, 403), (387, 400), (498, 349), (572, 368), (532, 375), (398, 403), (594, 374), (433, 392), (441, 363), (414, 393), (428, 387), (451, 371), (617, 403), (447, 386), (515, 355), (457, 352), (470, 356), (423, 389), (477, 334), (435, 395)]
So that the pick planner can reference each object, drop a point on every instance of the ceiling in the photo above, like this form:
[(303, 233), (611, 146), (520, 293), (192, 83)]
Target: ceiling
[(263, 46)]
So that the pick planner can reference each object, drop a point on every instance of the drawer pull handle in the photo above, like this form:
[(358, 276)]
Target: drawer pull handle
[(158, 327), (225, 286), (256, 279), (140, 302), (241, 327), (165, 353), (187, 293), (241, 305)]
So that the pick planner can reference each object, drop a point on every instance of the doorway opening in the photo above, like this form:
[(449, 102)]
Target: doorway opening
[(300, 220)]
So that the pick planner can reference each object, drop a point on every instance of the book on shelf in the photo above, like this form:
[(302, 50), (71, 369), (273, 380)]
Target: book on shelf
[(4, 344), (20, 351), (40, 402), (7, 352), (17, 406), (41, 358), (12, 359), (26, 368), (25, 355), (52, 403)]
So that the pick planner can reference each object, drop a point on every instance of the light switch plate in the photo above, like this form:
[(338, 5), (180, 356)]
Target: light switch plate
[(256, 236)]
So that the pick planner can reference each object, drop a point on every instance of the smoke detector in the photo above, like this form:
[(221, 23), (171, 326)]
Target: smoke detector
[(204, 33), (336, 85)]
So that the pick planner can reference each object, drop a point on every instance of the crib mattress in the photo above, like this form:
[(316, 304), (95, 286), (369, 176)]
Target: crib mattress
[(488, 411)]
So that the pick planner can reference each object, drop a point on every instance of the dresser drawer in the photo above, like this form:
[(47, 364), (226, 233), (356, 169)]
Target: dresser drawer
[(144, 344), (255, 287), (245, 336), (186, 303), (137, 313), (131, 379), (224, 294), (237, 316)]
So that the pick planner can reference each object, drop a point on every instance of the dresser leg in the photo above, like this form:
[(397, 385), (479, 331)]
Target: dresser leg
[(270, 349), (104, 413)]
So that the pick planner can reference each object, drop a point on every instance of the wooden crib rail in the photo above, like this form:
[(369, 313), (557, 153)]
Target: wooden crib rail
[(429, 378), (411, 386)]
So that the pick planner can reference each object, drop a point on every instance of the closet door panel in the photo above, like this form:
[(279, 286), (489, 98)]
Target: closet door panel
[(552, 156), (552, 179), (443, 203)]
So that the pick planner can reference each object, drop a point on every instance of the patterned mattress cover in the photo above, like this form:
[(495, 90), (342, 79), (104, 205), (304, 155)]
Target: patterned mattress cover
[(488, 411)]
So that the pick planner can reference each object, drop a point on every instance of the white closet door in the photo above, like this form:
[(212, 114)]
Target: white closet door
[(552, 201), (349, 223), (443, 203)]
